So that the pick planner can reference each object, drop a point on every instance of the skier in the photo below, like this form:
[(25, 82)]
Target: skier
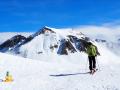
[(92, 53)]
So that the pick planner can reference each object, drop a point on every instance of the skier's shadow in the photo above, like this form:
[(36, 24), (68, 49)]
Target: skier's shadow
[(60, 75)]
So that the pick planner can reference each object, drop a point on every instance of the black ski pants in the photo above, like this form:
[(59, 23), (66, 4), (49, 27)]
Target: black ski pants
[(92, 62)]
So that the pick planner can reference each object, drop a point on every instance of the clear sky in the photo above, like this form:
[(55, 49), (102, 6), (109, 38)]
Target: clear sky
[(30, 15)]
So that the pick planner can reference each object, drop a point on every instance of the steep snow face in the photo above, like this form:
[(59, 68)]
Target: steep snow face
[(54, 41), (40, 44), (32, 47), (50, 39)]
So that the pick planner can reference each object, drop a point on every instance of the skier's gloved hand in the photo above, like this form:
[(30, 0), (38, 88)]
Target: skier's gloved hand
[(98, 54)]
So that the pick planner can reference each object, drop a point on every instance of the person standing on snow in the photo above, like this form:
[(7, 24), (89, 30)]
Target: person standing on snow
[(92, 53)]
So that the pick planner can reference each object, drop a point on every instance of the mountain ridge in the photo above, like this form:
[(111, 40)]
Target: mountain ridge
[(54, 39)]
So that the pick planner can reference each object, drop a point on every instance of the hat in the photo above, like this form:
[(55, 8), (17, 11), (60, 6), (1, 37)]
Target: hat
[(89, 43)]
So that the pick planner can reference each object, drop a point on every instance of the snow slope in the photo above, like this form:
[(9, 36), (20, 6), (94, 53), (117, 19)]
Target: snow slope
[(70, 72), (49, 71), (40, 44), (46, 42)]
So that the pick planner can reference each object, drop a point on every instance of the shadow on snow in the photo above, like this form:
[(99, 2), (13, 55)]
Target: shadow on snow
[(71, 74)]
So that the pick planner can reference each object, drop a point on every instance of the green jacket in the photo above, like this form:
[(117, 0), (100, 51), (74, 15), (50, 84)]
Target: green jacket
[(91, 50)]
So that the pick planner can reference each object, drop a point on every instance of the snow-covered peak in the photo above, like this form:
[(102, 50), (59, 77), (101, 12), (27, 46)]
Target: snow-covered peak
[(57, 41), (51, 40), (58, 72)]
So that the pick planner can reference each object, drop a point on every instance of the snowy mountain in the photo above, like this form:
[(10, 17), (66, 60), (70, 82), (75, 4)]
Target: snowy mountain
[(64, 41), (46, 40), (57, 61), (107, 36)]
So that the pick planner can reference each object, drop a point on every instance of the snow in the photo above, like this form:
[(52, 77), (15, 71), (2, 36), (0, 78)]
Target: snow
[(43, 42), (49, 71), (100, 32), (32, 47), (110, 34), (40, 44), (29, 74)]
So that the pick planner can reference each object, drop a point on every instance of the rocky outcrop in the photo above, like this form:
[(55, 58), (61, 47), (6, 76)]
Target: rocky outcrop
[(12, 42)]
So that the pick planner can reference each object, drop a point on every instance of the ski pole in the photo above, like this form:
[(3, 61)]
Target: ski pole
[(97, 64), (86, 65)]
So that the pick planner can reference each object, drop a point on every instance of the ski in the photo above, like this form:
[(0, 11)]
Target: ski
[(94, 71)]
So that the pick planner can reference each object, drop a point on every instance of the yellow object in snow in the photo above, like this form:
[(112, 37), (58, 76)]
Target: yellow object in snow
[(8, 78)]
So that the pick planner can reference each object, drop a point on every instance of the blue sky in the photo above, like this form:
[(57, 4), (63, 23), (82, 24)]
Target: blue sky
[(30, 15)]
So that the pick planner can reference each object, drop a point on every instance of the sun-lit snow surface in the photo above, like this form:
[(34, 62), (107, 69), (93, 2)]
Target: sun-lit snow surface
[(42, 42), (31, 74)]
